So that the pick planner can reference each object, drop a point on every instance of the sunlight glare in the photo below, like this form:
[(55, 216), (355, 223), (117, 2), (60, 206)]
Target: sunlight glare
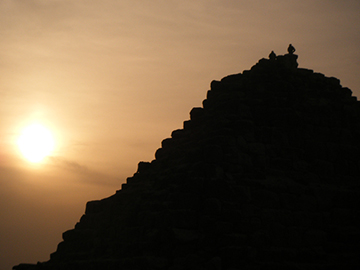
[(35, 143)]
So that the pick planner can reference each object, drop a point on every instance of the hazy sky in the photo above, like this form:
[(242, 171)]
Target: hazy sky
[(111, 79)]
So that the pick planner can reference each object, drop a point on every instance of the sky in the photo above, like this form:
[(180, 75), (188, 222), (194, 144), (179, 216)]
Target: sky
[(111, 79)]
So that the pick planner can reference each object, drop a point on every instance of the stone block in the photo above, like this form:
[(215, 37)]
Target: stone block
[(266, 198), (213, 153), (233, 256), (315, 238), (215, 86), (196, 113), (342, 217), (143, 167), (185, 236), (93, 207), (178, 133)]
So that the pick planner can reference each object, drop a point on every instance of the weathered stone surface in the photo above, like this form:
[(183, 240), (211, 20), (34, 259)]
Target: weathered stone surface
[(264, 176)]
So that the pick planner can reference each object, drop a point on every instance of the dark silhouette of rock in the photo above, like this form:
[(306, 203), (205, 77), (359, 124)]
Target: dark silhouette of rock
[(264, 176), (291, 49)]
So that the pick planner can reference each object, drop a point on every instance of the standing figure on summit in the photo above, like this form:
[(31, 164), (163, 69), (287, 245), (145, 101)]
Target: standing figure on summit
[(272, 56), (291, 49)]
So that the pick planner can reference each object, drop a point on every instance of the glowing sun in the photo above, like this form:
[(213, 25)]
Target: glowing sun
[(35, 142)]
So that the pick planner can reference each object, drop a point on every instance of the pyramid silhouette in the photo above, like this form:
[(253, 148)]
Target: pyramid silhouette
[(264, 176)]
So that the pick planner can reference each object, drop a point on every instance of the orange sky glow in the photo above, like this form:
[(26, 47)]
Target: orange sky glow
[(111, 79)]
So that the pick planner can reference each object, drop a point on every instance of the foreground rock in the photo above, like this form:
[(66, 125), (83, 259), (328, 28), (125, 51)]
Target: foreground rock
[(264, 176)]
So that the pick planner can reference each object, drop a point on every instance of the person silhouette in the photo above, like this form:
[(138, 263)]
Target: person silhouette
[(291, 49), (272, 56)]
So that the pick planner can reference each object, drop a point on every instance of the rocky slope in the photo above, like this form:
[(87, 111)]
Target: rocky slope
[(264, 176)]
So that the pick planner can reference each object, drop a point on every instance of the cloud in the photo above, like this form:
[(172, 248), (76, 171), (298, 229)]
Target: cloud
[(82, 173), (69, 165)]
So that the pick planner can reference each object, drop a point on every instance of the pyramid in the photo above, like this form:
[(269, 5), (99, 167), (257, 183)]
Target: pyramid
[(264, 176)]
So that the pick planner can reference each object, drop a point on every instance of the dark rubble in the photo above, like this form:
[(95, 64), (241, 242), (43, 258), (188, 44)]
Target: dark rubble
[(264, 176)]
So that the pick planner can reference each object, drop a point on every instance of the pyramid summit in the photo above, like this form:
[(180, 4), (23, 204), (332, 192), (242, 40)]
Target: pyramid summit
[(264, 176)]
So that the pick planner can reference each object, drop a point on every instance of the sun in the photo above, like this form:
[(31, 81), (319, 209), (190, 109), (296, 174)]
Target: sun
[(35, 142)]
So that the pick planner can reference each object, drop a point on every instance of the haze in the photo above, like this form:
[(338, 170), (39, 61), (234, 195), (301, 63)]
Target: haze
[(112, 79)]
